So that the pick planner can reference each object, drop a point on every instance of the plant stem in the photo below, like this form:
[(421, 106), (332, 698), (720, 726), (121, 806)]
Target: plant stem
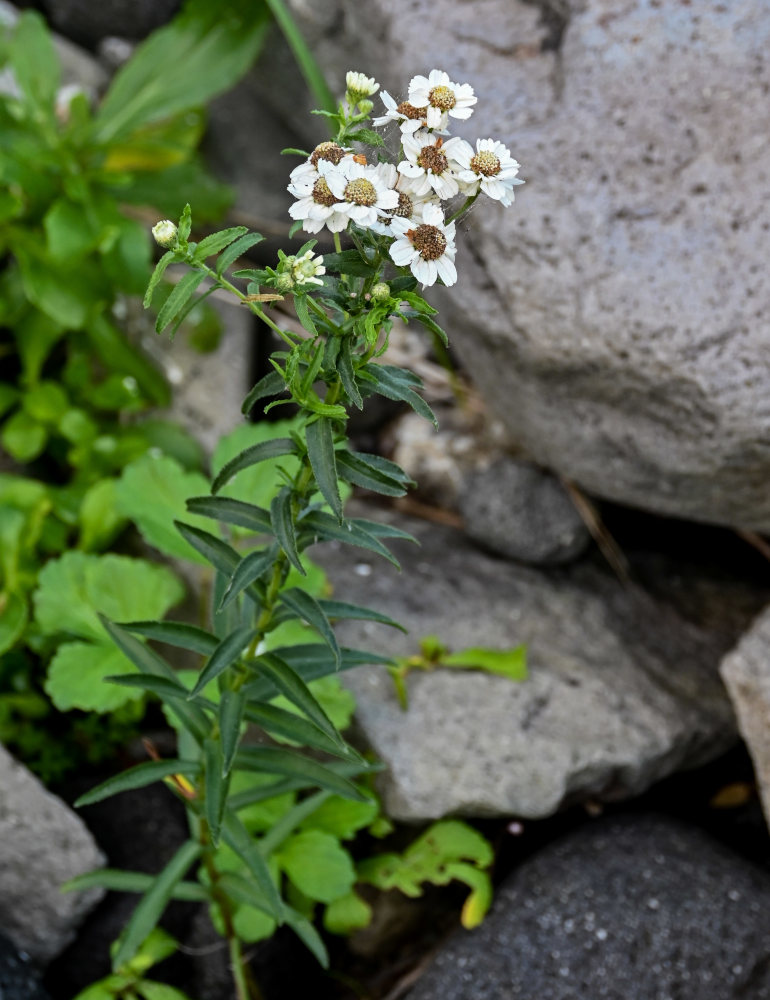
[(463, 208), (224, 283)]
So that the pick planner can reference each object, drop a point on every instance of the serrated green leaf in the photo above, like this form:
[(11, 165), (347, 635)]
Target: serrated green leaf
[(269, 385), (344, 610), (320, 449), (176, 301), (235, 250), (347, 374), (295, 728), (137, 777), (348, 262), (367, 136), (77, 678), (257, 484), (304, 315), (151, 907), (284, 528), (236, 836), (342, 818), (222, 556), (318, 865), (160, 268), (232, 705), (212, 244), (215, 787), (245, 515), (347, 914)]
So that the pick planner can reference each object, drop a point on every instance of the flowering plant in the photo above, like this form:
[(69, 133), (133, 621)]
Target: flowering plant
[(346, 303)]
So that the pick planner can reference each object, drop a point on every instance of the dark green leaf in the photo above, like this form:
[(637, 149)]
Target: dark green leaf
[(177, 299), (212, 244), (215, 787), (221, 555), (381, 530), (272, 448), (137, 777), (238, 838), (354, 468), (231, 709), (246, 515), (303, 314), (151, 907), (280, 722), (322, 527), (290, 684), (308, 608), (310, 661), (282, 519), (250, 569), (341, 609), (160, 686), (270, 385), (320, 450), (178, 634), (228, 652), (157, 274), (348, 262), (268, 760), (124, 881), (235, 250), (395, 383), (347, 374)]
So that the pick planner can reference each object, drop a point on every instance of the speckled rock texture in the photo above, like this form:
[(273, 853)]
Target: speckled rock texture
[(746, 673), (637, 908), (623, 688), (521, 512), (616, 316), (42, 845), (18, 979)]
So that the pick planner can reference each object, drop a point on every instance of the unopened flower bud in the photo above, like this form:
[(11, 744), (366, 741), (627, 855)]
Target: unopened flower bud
[(359, 86), (365, 106), (380, 292), (284, 283), (166, 234)]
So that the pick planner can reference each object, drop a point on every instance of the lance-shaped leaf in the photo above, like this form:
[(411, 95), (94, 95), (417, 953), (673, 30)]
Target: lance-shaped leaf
[(358, 470), (215, 787), (307, 607), (231, 709), (228, 652), (284, 529), (320, 450), (149, 910), (381, 530), (177, 299), (236, 836), (304, 315), (221, 555), (290, 684), (279, 722), (245, 515), (341, 609), (250, 569), (348, 262), (318, 526), (212, 244), (234, 251), (260, 793), (311, 661), (347, 374), (269, 760), (270, 385), (125, 881), (148, 662), (157, 274), (397, 384), (160, 686), (178, 634), (272, 448), (137, 777)]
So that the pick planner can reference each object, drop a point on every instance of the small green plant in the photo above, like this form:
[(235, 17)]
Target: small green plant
[(129, 982), (346, 303)]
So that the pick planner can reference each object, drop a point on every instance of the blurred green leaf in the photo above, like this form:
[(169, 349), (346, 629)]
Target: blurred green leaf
[(347, 914), (317, 864)]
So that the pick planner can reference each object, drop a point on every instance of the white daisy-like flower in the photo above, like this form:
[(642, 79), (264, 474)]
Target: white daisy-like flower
[(305, 270), (316, 205), (427, 165), (359, 85), (427, 248), (360, 189), (441, 97), (408, 117), (330, 151), (410, 205), (491, 168)]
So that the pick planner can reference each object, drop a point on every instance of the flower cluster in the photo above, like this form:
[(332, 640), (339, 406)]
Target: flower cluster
[(338, 188)]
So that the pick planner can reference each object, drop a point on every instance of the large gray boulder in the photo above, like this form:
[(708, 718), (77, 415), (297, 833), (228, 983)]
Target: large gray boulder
[(638, 908), (615, 316), (623, 685), (42, 845)]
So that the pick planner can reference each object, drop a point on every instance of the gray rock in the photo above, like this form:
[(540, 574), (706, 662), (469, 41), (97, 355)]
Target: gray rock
[(638, 907), (87, 22), (615, 316), (623, 689), (18, 980), (746, 673), (517, 510), (42, 845)]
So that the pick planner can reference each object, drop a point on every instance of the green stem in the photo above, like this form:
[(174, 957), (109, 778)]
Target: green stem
[(224, 283), (463, 208), (318, 308)]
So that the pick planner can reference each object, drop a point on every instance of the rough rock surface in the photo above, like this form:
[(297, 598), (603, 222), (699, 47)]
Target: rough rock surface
[(615, 315), (623, 689), (635, 907), (42, 845), (18, 980), (516, 510), (746, 673)]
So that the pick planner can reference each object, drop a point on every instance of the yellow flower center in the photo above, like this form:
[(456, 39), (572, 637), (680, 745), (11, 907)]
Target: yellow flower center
[(442, 97), (322, 194), (361, 192), (428, 240), (431, 158), (486, 163)]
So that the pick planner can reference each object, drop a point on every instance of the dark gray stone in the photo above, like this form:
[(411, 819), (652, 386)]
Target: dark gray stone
[(18, 979), (637, 908), (519, 511), (86, 22)]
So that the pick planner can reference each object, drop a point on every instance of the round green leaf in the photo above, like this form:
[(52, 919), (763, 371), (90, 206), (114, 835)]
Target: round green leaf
[(76, 678), (317, 864)]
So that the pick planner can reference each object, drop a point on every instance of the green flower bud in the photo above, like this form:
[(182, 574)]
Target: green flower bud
[(284, 283), (380, 292), (365, 106)]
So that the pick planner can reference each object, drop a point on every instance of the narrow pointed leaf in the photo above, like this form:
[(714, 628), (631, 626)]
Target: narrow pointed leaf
[(178, 634), (245, 515), (269, 760), (304, 314), (157, 274), (228, 652), (125, 881), (221, 555), (288, 683), (212, 244), (282, 520), (320, 449), (322, 527), (177, 299), (279, 722), (260, 793), (381, 530), (215, 787), (150, 908), (311, 661), (236, 836), (231, 709), (308, 608), (234, 251), (270, 385), (160, 686), (354, 470), (347, 374), (341, 609), (250, 568), (137, 777), (272, 448), (308, 935)]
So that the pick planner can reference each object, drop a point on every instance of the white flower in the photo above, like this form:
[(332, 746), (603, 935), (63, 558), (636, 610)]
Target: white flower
[(330, 151), (360, 189), (441, 97), (316, 205), (410, 205), (305, 269), (166, 234), (427, 164), (408, 117), (428, 248), (359, 85), (491, 168)]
